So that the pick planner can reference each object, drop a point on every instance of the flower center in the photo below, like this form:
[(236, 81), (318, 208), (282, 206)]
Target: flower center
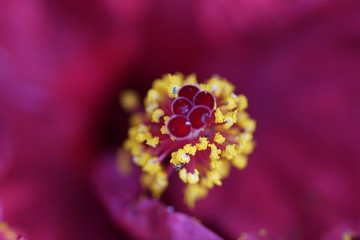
[(196, 129)]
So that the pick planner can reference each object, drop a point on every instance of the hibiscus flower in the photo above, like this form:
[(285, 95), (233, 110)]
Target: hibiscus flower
[(63, 64)]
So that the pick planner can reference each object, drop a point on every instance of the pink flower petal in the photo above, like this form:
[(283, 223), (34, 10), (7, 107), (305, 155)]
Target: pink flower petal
[(143, 218)]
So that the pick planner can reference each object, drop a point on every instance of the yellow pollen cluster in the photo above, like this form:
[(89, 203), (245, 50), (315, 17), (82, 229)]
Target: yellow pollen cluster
[(182, 155), (203, 158)]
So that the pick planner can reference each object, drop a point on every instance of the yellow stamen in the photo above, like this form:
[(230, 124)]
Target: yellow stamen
[(231, 151), (219, 138), (152, 166), (140, 137), (183, 175), (230, 119), (153, 142), (175, 82), (163, 130), (219, 117), (240, 161), (187, 177), (215, 177), (190, 149), (193, 178), (203, 143), (152, 100), (215, 152), (157, 182), (194, 192), (129, 100), (141, 158), (157, 114)]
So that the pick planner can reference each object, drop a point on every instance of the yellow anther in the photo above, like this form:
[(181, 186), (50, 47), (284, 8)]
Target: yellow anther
[(163, 130), (219, 117), (157, 114), (203, 143), (182, 155), (157, 182), (204, 87), (220, 87), (132, 132), (231, 151), (174, 84), (130, 143), (240, 161), (215, 86), (188, 177), (249, 125), (231, 102), (236, 102), (152, 100), (153, 142), (248, 147), (153, 95), (191, 79), (188, 148), (242, 102), (136, 119), (129, 100), (135, 148), (215, 152), (224, 168), (143, 128), (193, 178), (214, 163), (230, 119), (140, 137), (245, 142), (183, 175), (206, 182), (215, 177), (194, 192), (179, 156), (218, 138), (166, 119), (140, 133), (141, 158), (152, 166)]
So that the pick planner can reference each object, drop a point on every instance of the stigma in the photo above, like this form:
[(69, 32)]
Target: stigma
[(195, 130)]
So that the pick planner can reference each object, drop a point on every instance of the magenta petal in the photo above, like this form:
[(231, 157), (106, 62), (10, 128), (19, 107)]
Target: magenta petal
[(146, 218)]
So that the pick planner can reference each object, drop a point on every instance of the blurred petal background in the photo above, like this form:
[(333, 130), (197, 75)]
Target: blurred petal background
[(63, 64)]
